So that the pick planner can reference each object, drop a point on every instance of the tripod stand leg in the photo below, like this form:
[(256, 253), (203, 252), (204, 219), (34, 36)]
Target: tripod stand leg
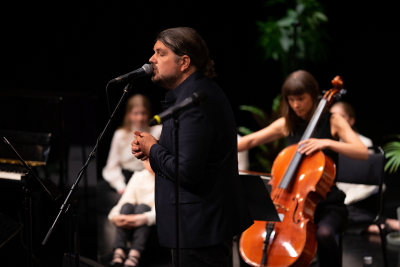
[(28, 226), (269, 228), (75, 227)]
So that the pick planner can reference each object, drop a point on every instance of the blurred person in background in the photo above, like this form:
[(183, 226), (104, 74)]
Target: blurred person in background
[(121, 164), (361, 199), (133, 216)]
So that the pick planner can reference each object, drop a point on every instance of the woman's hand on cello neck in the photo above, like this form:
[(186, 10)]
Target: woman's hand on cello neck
[(312, 145)]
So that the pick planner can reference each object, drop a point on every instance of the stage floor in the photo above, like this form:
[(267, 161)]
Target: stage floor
[(355, 246)]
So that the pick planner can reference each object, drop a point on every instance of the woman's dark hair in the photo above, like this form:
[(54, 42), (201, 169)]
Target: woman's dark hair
[(297, 83), (186, 41)]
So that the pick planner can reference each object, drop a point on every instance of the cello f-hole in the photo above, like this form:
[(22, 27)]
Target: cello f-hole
[(295, 210)]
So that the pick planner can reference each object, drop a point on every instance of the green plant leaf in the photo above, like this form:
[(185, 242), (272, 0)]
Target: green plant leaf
[(286, 42), (392, 136), (300, 8), (285, 22), (263, 148), (320, 16), (276, 102), (244, 130), (252, 109), (256, 111), (392, 165), (392, 152), (275, 56)]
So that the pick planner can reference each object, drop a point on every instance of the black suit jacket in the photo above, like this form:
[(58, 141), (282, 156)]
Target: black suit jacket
[(211, 201)]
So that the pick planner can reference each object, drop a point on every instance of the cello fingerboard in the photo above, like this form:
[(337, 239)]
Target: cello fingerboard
[(295, 162)]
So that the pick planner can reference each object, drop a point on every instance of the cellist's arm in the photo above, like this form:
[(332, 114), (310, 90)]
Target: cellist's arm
[(351, 146), (270, 133)]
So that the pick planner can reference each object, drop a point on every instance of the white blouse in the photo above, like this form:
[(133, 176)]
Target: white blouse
[(121, 157), (140, 190)]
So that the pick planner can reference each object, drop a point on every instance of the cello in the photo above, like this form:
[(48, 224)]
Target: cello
[(297, 188)]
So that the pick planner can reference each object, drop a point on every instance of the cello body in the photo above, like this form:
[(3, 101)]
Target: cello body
[(292, 241), (298, 183)]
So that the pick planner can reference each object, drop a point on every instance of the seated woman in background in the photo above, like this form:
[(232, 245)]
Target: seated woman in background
[(133, 216), (121, 163), (360, 198)]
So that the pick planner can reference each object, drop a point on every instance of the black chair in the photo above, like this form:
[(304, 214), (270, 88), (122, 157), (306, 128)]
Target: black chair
[(369, 172)]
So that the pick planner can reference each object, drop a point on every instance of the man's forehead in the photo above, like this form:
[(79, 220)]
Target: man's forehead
[(160, 46)]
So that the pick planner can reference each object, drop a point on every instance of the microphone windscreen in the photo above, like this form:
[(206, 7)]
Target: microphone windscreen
[(148, 69)]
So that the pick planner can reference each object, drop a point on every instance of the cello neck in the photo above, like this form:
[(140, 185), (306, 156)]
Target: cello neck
[(308, 133)]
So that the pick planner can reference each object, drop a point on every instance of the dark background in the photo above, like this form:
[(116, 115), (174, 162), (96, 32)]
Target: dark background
[(80, 47)]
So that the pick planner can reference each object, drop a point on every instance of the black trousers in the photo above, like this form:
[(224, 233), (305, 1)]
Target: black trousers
[(365, 209), (331, 215), (137, 236), (216, 255)]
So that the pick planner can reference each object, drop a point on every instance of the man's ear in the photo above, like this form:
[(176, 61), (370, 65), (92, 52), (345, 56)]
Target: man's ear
[(185, 63)]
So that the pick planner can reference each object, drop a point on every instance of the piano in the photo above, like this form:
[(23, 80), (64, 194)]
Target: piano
[(34, 148), (44, 125), (68, 116)]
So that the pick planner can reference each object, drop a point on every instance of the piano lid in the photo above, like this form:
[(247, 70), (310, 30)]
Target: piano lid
[(33, 147)]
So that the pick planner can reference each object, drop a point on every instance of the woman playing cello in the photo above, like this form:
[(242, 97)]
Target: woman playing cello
[(300, 98)]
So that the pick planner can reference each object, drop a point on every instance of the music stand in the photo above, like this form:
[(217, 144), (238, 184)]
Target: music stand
[(50, 189), (257, 198)]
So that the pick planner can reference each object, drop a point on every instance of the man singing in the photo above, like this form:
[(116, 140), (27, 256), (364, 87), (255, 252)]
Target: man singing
[(212, 207)]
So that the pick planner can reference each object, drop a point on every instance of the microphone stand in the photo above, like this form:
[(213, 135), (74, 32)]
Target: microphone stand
[(64, 207), (175, 114), (176, 111)]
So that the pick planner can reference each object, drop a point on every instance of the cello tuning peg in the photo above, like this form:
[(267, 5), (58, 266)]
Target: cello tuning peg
[(337, 97), (343, 91), (324, 91)]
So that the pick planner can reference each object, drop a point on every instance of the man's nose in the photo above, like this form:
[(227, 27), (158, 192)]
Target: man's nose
[(152, 59)]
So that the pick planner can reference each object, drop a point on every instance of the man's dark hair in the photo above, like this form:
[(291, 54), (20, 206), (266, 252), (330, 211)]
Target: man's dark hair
[(186, 41)]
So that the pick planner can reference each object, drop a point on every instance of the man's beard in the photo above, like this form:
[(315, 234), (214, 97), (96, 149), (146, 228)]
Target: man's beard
[(168, 82)]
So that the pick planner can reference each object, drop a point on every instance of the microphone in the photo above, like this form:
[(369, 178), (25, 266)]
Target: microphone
[(194, 100), (146, 69)]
